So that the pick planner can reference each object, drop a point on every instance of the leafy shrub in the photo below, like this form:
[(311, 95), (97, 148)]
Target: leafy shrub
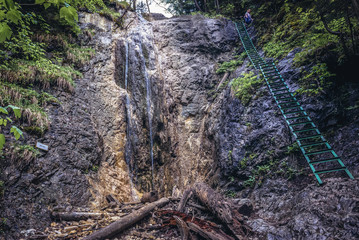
[(4, 120), (245, 86), (228, 66)]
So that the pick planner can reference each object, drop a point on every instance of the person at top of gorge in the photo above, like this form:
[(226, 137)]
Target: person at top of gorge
[(247, 17)]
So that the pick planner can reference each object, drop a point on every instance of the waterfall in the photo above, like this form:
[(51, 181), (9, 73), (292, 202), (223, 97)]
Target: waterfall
[(128, 148), (149, 111)]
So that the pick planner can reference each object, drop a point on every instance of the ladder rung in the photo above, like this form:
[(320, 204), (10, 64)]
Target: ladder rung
[(331, 170), (313, 144), (301, 123), (276, 81), (295, 118), (273, 73), (290, 103), (282, 94), (305, 130), (309, 137), (269, 72), (291, 107), (324, 160), (300, 111), (319, 152), (279, 90), (281, 82), (282, 99), (280, 86)]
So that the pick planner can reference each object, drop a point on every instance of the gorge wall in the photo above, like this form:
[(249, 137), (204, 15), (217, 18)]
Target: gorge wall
[(148, 115)]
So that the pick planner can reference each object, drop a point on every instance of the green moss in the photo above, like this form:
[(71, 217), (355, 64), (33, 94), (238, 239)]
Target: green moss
[(228, 66)]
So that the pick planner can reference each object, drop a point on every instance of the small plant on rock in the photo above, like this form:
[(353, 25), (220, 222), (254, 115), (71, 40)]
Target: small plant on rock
[(4, 120), (245, 86)]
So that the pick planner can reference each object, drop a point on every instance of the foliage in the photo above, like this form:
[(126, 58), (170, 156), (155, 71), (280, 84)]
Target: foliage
[(38, 52), (293, 148), (272, 169), (231, 194), (315, 81), (4, 120), (23, 154), (245, 86), (228, 66)]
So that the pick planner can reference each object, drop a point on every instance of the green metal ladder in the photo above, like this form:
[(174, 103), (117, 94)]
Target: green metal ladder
[(311, 142)]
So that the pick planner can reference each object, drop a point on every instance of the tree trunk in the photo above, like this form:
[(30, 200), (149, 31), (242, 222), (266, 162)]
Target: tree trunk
[(347, 18), (356, 8), (217, 6), (222, 208), (197, 6), (339, 34), (134, 5), (125, 222), (186, 195), (148, 6)]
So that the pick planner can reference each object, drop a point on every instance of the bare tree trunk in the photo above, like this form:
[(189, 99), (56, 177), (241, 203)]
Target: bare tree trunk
[(134, 5), (356, 8), (197, 6), (351, 31), (217, 6), (148, 6)]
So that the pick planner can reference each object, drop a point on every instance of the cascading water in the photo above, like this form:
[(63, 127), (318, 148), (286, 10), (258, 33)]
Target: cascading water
[(149, 104), (128, 149)]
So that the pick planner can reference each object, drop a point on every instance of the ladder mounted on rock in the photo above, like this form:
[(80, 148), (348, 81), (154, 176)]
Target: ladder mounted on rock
[(311, 142)]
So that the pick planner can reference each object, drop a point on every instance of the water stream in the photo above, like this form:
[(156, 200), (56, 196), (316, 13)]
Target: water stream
[(128, 148), (149, 110)]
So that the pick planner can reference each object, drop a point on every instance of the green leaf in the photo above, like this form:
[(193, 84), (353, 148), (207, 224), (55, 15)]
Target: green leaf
[(3, 122), (39, 1), (47, 5), (124, 4), (14, 16), (17, 132), (9, 4), (2, 141), (5, 32), (2, 15), (3, 110), (16, 110), (8, 119), (69, 14)]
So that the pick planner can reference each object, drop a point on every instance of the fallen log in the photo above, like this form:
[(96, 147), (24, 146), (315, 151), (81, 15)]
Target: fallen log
[(224, 209), (183, 228), (122, 224), (206, 229), (186, 195), (207, 234), (75, 216)]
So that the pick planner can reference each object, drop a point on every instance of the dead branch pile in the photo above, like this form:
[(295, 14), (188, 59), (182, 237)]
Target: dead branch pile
[(201, 213)]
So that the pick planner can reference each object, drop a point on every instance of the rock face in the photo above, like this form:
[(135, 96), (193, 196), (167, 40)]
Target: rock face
[(149, 115)]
